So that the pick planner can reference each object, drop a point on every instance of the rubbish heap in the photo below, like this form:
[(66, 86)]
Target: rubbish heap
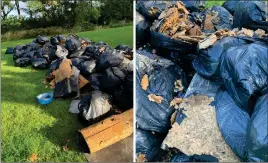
[(202, 81), (96, 75)]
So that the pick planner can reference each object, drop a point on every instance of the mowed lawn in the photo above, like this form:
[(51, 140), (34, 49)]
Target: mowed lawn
[(33, 132)]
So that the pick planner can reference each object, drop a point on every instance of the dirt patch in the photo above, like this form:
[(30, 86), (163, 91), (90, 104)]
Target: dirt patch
[(199, 132)]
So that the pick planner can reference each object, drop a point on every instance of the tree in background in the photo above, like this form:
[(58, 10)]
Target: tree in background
[(70, 14), (6, 8), (17, 4)]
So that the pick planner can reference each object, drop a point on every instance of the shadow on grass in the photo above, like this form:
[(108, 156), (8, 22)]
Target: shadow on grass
[(22, 85)]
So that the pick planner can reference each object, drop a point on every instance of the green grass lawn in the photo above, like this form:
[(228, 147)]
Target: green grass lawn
[(211, 3), (30, 129)]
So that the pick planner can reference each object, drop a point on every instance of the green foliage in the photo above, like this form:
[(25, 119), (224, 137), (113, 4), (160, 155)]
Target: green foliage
[(79, 15), (24, 34), (11, 23), (212, 3), (6, 8)]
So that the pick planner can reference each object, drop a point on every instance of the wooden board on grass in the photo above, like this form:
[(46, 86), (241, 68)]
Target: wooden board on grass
[(108, 131)]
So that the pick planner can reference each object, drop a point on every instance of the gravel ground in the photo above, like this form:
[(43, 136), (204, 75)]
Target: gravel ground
[(199, 132)]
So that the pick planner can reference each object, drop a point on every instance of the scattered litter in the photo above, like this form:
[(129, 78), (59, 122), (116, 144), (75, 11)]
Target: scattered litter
[(74, 107), (34, 157), (175, 102), (45, 98), (178, 86), (145, 82), (140, 158), (155, 98)]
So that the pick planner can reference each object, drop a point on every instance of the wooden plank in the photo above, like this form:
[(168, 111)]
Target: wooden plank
[(121, 151), (108, 131)]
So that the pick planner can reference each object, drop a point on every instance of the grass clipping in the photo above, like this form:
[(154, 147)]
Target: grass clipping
[(199, 132)]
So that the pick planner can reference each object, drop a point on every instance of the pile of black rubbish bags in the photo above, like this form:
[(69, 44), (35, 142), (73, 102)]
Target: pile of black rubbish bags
[(98, 76), (221, 52)]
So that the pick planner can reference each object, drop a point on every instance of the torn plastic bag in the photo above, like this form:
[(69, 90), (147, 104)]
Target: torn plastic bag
[(168, 44), (87, 67), (22, 62), (216, 18), (244, 71), (61, 52), (162, 75), (230, 6), (142, 29), (207, 63), (233, 123), (9, 50), (40, 63), (111, 78), (94, 106), (251, 15), (67, 88), (54, 40), (257, 133), (149, 143), (41, 39), (109, 58), (202, 86), (152, 9)]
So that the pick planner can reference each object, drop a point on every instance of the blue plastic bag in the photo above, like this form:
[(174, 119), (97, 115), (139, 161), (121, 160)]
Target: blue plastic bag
[(251, 15), (244, 71), (232, 122), (257, 133)]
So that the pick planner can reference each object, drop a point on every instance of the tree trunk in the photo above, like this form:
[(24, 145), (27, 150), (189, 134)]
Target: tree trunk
[(18, 8)]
